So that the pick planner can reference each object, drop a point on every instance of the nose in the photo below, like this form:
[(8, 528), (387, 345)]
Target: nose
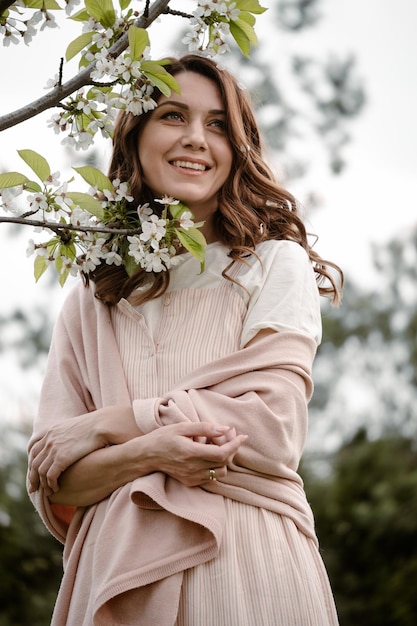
[(194, 136)]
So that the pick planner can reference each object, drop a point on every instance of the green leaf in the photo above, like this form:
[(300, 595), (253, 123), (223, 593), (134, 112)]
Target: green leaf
[(160, 78), (194, 241), (156, 70), (37, 163), (177, 210), (94, 177), (238, 30), (12, 179), (62, 275), (124, 4), (247, 29), (87, 203), (102, 11), (130, 264), (81, 16), (39, 267), (77, 45), (32, 185), (67, 251), (248, 18), (252, 6), (138, 41), (49, 5)]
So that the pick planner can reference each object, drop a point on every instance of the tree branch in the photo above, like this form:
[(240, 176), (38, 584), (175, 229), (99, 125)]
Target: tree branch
[(60, 228), (59, 92)]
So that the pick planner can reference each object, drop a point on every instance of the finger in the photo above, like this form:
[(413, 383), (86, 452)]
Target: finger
[(215, 473), (229, 435), (35, 440), (220, 455), (201, 429), (33, 480)]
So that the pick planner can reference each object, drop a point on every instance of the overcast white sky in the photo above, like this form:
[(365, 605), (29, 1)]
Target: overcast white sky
[(371, 201)]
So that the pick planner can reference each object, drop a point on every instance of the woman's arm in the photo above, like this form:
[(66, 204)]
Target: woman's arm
[(179, 450), (52, 451)]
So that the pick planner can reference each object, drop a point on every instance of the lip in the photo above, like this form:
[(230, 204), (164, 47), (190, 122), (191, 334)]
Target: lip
[(187, 159)]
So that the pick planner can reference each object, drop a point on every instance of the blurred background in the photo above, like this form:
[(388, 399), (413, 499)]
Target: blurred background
[(334, 84)]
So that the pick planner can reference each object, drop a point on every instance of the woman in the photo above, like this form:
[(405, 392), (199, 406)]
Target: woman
[(174, 407)]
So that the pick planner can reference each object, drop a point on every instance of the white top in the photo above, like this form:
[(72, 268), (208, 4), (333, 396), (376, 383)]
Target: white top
[(279, 289)]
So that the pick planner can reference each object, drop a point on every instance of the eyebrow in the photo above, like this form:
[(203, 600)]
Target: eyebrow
[(184, 106)]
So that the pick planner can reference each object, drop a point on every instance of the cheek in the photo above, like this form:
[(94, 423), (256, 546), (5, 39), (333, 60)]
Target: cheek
[(227, 160)]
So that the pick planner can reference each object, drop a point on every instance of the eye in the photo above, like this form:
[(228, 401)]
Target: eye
[(219, 124), (175, 116)]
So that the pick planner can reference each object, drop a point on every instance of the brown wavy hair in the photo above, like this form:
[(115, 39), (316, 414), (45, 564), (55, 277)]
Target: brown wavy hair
[(252, 206)]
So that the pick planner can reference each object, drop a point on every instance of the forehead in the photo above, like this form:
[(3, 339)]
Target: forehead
[(196, 90)]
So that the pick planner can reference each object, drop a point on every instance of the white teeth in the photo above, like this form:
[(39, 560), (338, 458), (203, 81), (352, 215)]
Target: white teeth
[(190, 165)]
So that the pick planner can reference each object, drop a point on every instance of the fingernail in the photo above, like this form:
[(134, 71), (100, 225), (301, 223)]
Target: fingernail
[(220, 430)]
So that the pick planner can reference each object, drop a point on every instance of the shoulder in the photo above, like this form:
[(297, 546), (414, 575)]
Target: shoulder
[(283, 251), (282, 289), (80, 307), (280, 258)]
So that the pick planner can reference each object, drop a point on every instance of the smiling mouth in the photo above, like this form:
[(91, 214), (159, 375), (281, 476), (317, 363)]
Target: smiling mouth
[(189, 165)]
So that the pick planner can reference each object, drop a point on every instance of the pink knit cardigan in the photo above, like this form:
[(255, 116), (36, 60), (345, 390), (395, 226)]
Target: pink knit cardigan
[(138, 541)]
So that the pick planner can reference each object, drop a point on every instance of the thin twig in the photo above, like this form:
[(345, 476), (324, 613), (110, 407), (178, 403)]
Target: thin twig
[(61, 71), (169, 11)]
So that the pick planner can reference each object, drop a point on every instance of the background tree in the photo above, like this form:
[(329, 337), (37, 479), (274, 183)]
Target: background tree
[(366, 517), (30, 559)]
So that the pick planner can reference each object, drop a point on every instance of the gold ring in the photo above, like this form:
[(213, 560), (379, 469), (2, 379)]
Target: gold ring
[(212, 474)]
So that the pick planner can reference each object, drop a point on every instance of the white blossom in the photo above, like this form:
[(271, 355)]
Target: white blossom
[(128, 69), (61, 197), (29, 33), (144, 211), (90, 25), (8, 199), (102, 38), (49, 20), (9, 38), (57, 122), (70, 5), (37, 16), (136, 248), (185, 220), (192, 41), (30, 248), (153, 230), (157, 261), (53, 179), (37, 202), (167, 200), (105, 67), (79, 217), (85, 140)]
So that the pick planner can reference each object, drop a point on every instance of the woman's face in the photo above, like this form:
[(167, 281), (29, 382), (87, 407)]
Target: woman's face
[(183, 149)]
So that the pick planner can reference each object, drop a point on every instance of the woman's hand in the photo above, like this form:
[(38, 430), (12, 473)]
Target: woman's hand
[(188, 451), (54, 450)]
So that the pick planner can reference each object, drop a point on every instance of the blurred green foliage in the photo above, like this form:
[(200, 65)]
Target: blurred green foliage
[(30, 558), (366, 519)]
